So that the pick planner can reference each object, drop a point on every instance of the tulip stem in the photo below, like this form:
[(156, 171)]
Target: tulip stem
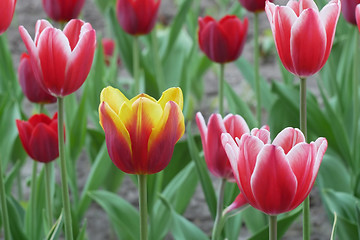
[(355, 96), (303, 128), (5, 215), (33, 198), (48, 192), (143, 206), (256, 68), (220, 204), (136, 65), (272, 227), (158, 69), (64, 184), (221, 89)]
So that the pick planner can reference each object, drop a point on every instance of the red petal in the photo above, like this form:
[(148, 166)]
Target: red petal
[(25, 130), (288, 138)]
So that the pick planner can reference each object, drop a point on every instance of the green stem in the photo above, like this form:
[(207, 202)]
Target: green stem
[(48, 193), (136, 65), (5, 215), (33, 197), (355, 97), (256, 68), (221, 89), (157, 61), (143, 207), (272, 227), (303, 128), (220, 205), (64, 184)]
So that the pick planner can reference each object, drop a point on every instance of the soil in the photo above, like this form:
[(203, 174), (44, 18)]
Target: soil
[(29, 11)]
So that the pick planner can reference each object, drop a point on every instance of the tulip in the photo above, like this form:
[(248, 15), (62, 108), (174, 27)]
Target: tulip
[(348, 10), (61, 60), (253, 5), (137, 17), (303, 35), (358, 15), (274, 177), (39, 137), (29, 85), (7, 11), (63, 10), (215, 156), (141, 133), (222, 41), (108, 48)]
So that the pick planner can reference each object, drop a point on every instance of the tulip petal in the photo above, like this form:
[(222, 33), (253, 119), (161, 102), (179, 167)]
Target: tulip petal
[(25, 130), (321, 146), (232, 152), (117, 139), (288, 138), (236, 125), (40, 26), (263, 134), (306, 4), (239, 202), (294, 5), (203, 133), (357, 15), (172, 94), (72, 31), (114, 98), (307, 43), (164, 136), (272, 182)]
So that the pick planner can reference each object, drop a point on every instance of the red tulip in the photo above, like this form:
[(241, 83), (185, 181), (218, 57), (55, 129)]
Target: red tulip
[(39, 137), (137, 17), (274, 178), (215, 156), (253, 5), (109, 47), (222, 41), (358, 15), (348, 10), (7, 11), (141, 133), (63, 10), (29, 85), (61, 60), (303, 35)]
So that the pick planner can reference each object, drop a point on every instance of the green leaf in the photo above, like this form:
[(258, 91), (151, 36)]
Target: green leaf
[(82, 233), (55, 231), (16, 216)]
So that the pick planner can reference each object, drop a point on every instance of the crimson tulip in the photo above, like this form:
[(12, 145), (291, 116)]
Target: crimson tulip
[(214, 153), (253, 5), (39, 137), (358, 15), (303, 35), (137, 17), (7, 12), (348, 10), (222, 41), (63, 10), (61, 60), (109, 47), (29, 85), (274, 177), (141, 133)]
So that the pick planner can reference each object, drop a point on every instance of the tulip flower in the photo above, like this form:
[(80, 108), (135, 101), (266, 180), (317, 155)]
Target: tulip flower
[(61, 60), (63, 10), (141, 133), (29, 85), (7, 11), (274, 177), (303, 35), (253, 5), (108, 48), (358, 15), (215, 156), (137, 17), (39, 137), (348, 10), (222, 41)]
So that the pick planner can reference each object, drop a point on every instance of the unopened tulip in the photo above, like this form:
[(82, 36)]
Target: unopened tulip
[(61, 60), (358, 16), (63, 10), (141, 133), (108, 45), (7, 11), (137, 17), (222, 41), (348, 10), (29, 85), (253, 5), (303, 35), (274, 177), (39, 137), (214, 153)]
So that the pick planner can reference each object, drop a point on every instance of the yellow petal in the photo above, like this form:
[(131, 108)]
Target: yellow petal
[(113, 97), (172, 94), (142, 95)]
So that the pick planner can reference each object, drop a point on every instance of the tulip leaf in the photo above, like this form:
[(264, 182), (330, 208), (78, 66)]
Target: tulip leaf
[(232, 227), (82, 233), (203, 173), (56, 229), (16, 215), (122, 215)]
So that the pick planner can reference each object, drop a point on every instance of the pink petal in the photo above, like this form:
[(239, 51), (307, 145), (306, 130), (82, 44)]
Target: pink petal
[(203, 133), (294, 5), (263, 134), (357, 15), (270, 10), (232, 152), (72, 32), (306, 4), (272, 182), (239, 202), (288, 138), (40, 26), (236, 125)]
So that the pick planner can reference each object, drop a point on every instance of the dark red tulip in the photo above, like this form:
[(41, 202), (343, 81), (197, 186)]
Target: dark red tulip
[(7, 11), (348, 10), (63, 10), (29, 85), (109, 47), (137, 17), (253, 5), (39, 137), (222, 41)]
